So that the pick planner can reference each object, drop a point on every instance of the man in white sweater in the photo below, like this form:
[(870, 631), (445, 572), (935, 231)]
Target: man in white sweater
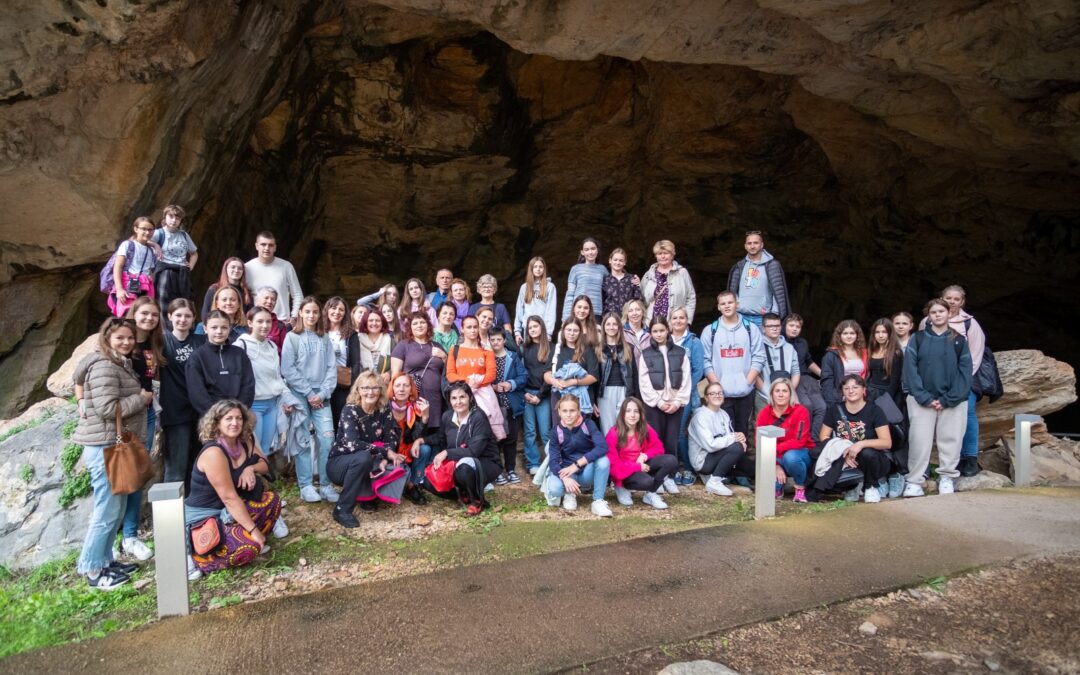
[(266, 270)]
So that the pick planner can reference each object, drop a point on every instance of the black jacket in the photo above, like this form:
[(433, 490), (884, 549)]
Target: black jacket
[(628, 370), (536, 369), (473, 439), (218, 372)]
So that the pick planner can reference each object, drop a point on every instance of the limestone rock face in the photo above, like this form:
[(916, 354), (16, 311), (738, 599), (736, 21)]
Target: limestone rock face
[(1034, 384), (61, 383)]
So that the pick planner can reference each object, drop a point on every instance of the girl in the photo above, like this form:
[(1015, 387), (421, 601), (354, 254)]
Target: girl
[(108, 385), (270, 387), (716, 449), (367, 445), (809, 388), (682, 336), (966, 325), (937, 374), (232, 274), (369, 348), (846, 355), (664, 383), (535, 298), (460, 297), (179, 422), (637, 334), (855, 420), (309, 367), (393, 326), (487, 286), (903, 323), (227, 301), (637, 458), (793, 450), (590, 328), (266, 298), (586, 278), (885, 366), (618, 287), (577, 455), (412, 413), (574, 368), (508, 387), (536, 353), (618, 372), (446, 334), (422, 360), (415, 300), (178, 257), (470, 444), (218, 370), (133, 268), (667, 286), (387, 295), (474, 365), (338, 327)]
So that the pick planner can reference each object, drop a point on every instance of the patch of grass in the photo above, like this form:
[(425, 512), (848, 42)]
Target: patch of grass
[(26, 473), (936, 584), (226, 601), (74, 487), (69, 427), (822, 507), (69, 457)]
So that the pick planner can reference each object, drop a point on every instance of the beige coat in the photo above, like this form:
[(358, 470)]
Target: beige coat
[(107, 385), (680, 291)]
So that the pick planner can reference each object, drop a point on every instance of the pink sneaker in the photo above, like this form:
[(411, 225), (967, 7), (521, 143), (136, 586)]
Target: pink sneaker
[(800, 496)]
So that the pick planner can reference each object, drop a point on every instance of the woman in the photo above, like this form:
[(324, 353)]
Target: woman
[(227, 301), (637, 457), (365, 449), (574, 368), (387, 295), (637, 333), (179, 422), (586, 278), (716, 449), (369, 348), (486, 287), (618, 372), (846, 355), (618, 286), (937, 374), (422, 360), (270, 386), (470, 444), (885, 367), (393, 325), (664, 383), (266, 298), (577, 455), (133, 268), (667, 286), (338, 327), (485, 319), (903, 324), (793, 450), (226, 484), (461, 298), (309, 367), (966, 325), (865, 426), (446, 333), (232, 274), (535, 298), (470, 362), (108, 385), (218, 370), (536, 353), (682, 336), (583, 314), (415, 300), (509, 388), (412, 413)]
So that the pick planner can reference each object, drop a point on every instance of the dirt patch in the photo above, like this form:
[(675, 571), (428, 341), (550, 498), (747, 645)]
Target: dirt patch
[(1019, 618)]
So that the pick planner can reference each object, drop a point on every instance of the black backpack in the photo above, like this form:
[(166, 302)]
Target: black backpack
[(987, 379)]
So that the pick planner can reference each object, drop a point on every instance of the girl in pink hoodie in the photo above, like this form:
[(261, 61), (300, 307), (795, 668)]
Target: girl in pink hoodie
[(637, 457)]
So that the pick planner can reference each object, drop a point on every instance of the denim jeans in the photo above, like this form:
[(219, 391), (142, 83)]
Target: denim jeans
[(970, 445), (418, 465), (595, 474), (324, 437), (266, 415), (106, 516), (537, 426), (755, 319), (684, 436), (134, 500), (796, 463)]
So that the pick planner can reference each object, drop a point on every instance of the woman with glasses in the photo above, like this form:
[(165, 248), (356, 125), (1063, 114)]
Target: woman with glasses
[(716, 449), (865, 426)]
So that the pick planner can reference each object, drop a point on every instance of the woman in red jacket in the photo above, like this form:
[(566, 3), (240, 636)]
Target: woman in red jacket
[(637, 457), (793, 450)]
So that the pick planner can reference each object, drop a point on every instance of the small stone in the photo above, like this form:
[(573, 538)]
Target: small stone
[(880, 620), (915, 594), (142, 583), (303, 562), (697, 668), (868, 628), (421, 521), (992, 666)]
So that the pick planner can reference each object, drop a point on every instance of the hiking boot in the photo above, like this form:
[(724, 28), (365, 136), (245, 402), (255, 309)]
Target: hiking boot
[(345, 517), (969, 466), (654, 500), (624, 496), (136, 548)]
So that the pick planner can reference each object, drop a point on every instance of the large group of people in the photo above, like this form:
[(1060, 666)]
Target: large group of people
[(417, 394)]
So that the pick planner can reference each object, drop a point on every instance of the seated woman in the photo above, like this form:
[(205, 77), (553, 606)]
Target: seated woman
[(225, 484), (364, 455), (577, 453), (470, 444), (637, 457), (793, 450), (412, 414), (716, 449), (865, 426)]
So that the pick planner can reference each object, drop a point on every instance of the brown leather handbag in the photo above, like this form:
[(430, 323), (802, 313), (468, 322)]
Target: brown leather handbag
[(127, 463)]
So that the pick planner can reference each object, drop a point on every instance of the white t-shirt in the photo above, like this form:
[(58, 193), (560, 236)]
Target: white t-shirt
[(281, 276), (141, 260)]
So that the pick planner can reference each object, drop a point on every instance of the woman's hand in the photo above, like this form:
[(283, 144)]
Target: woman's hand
[(781, 477), (287, 409), (518, 340), (121, 295), (570, 484), (568, 471), (315, 401), (415, 449), (851, 455), (247, 479), (530, 398), (396, 458), (438, 459), (259, 537), (148, 398), (385, 377), (474, 380)]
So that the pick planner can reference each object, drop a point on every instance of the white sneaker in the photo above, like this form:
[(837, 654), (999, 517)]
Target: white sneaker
[(715, 485), (654, 500), (533, 470), (945, 486), (670, 487), (624, 496), (309, 494), (872, 495), (913, 490), (135, 547), (281, 530), (569, 502), (328, 493), (852, 495), (660, 490), (601, 508), (553, 501), (489, 487), (193, 573)]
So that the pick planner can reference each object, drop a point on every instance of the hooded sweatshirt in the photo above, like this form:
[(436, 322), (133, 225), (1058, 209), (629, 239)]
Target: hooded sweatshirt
[(218, 372), (731, 353), (266, 365), (936, 369), (789, 361), (309, 365), (966, 325)]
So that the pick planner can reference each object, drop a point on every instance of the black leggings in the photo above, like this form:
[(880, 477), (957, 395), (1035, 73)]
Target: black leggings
[(739, 409), (351, 472), (666, 426), (660, 467), (732, 460), (875, 465), (466, 483)]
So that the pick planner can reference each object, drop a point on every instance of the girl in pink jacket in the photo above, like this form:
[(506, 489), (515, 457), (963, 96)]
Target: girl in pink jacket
[(637, 457)]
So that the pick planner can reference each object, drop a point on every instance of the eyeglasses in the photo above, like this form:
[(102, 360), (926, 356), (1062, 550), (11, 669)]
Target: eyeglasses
[(715, 393), (772, 325), (369, 388)]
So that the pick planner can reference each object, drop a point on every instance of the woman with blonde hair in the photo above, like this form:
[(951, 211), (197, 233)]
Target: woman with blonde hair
[(635, 326), (793, 450), (667, 285), (535, 298), (619, 286)]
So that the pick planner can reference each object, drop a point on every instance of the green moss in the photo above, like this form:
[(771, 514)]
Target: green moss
[(26, 473), (69, 427), (69, 457), (74, 487)]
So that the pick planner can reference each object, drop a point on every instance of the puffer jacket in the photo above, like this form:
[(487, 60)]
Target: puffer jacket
[(681, 291), (105, 385)]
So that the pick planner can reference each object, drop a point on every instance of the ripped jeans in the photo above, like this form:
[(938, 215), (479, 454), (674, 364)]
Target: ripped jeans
[(324, 437)]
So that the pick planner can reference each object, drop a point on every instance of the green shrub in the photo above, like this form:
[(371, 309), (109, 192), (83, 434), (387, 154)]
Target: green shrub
[(75, 487), (69, 457)]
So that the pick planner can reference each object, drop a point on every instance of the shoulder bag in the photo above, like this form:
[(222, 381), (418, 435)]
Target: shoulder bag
[(127, 463)]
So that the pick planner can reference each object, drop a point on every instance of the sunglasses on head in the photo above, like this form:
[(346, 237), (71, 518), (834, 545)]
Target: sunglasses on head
[(120, 321), (753, 232)]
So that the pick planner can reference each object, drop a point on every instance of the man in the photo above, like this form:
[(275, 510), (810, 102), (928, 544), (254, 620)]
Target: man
[(279, 274), (758, 281), (734, 356), (442, 289), (781, 360)]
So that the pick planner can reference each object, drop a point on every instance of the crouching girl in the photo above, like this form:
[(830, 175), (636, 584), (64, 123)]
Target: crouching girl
[(577, 455), (637, 457)]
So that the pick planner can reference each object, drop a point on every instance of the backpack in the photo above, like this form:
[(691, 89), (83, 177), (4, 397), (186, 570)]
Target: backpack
[(106, 282), (987, 379), (715, 325), (562, 438)]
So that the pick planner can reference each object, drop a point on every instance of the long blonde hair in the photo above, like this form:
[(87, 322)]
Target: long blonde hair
[(531, 279)]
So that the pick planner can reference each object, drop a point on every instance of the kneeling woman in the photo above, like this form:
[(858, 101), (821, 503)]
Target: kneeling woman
[(412, 414), (865, 426), (225, 484), (577, 453), (365, 450), (466, 434), (793, 450), (716, 449), (637, 457)]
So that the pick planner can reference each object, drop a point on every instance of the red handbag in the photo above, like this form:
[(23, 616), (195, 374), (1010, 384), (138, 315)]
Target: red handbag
[(441, 479)]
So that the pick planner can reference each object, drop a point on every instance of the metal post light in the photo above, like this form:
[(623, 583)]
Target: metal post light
[(1021, 459), (765, 474), (170, 549)]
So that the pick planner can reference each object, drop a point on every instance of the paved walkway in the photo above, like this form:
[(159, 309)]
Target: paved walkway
[(561, 610)]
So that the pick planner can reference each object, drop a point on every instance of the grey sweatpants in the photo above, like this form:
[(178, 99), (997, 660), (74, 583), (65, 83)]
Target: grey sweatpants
[(946, 427)]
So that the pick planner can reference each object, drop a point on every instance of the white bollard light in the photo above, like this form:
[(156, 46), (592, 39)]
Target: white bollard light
[(170, 549), (765, 471), (1021, 459)]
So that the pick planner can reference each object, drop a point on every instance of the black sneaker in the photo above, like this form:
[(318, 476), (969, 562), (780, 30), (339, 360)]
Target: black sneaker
[(345, 518), (501, 479), (122, 567), (969, 466), (513, 477), (108, 580), (369, 505)]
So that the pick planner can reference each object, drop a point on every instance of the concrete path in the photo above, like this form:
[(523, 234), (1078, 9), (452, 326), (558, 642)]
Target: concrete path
[(561, 610)]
